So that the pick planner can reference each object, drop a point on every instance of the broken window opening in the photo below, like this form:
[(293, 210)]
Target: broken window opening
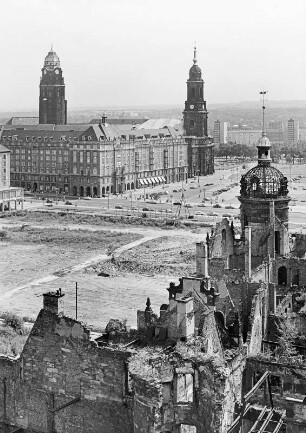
[(184, 388), (187, 428)]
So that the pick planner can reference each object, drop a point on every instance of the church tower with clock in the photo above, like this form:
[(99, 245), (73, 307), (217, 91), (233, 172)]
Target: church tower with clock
[(52, 103), (195, 113)]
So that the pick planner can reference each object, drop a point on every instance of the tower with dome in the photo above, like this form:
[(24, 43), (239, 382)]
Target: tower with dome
[(52, 102), (264, 205), (195, 113)]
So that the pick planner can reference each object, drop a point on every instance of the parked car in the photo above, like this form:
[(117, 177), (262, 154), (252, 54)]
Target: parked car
[(177, 203), (175, 190), (188, 205), (227, 215), (199, 212), (212, 214), (201, 205), (118, 206), (229, 206), (67, 202), (49, 201), (208, 184), (145, 209), (217, 205)]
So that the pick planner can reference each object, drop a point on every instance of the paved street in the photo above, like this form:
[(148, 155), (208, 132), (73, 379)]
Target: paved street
[(196, 192)]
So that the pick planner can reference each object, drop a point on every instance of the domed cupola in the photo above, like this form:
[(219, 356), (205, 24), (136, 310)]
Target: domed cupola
[(264, 204), (264, 180), (52, 60), (195, 72)]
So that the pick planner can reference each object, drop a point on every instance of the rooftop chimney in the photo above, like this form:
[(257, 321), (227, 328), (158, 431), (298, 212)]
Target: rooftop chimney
[(53, 302)]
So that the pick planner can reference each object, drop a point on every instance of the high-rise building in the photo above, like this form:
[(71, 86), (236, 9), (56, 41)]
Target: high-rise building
[(220, 132), (247, 137), (52, 102), (195, 113), (293, 131)]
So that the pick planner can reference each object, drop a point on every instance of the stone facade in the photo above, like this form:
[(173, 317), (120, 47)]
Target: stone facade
[(52, 103)]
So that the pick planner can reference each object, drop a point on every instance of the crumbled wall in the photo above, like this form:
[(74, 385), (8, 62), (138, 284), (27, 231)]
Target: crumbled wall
[(221, 243), (296, 270), (299, 246), (216, 390), (257, 325), (292, 381), (59, 364)]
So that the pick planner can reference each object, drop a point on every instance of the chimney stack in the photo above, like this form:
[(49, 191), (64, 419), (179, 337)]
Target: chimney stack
[(53, 302), (201, 260)]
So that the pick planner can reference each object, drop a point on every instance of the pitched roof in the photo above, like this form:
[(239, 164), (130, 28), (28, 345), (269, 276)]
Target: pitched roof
[(121, 121), (23, 121), (3, 149), (159, 123)]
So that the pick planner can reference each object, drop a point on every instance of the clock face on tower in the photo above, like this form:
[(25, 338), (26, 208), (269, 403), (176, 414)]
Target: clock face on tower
[(56, 71), (191, 107)]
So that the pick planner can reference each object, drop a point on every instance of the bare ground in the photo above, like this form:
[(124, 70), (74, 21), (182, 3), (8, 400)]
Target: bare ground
[(55, 252)]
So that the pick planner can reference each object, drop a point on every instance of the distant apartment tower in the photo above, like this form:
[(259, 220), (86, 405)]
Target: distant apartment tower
[(220, 132), (275, 131), (276, 124), (293, 131), (302, 133), (247, 137)]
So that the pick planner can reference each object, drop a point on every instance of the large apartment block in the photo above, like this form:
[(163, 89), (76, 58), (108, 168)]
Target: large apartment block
[(87, 161)]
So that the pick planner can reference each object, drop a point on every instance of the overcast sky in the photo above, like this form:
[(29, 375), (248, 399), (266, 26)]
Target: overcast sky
[(138, 52)]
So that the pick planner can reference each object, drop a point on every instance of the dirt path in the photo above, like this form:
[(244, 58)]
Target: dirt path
[(38, 269), (144, 231), (64, 271)]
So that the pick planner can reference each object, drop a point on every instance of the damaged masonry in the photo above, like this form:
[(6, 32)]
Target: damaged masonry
[(225, 355)]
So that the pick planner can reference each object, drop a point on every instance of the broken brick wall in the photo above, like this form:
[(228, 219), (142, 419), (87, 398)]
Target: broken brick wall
[(295, 270), (287, 380), (257, 322), (59, 364), (172, 391), (8, 372)]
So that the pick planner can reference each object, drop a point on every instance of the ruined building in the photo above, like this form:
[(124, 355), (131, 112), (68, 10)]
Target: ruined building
[(259, 269), (226, 354)]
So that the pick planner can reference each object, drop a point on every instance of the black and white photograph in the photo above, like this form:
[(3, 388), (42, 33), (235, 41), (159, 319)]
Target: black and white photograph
[(153, 216)]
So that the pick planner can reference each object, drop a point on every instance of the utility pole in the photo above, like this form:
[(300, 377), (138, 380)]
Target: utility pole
[(76, 301)]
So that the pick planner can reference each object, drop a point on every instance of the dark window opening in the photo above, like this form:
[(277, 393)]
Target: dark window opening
[(277, 242), (276, 384), (282, 276)]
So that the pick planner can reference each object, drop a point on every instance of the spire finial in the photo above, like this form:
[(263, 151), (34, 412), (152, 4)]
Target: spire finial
[(195, 53), (263, 93), (51, 46)]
